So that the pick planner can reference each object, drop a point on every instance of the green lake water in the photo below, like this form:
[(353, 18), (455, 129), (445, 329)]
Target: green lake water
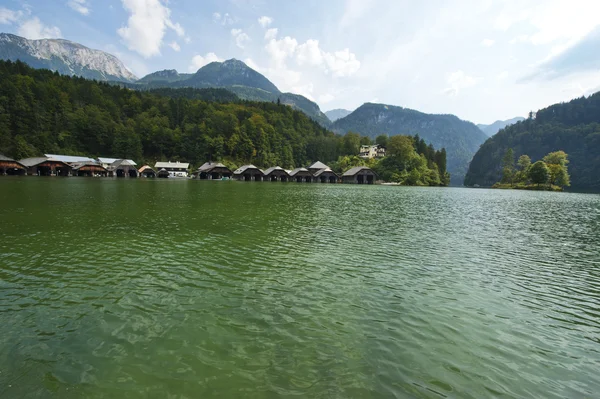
[(197, 289)]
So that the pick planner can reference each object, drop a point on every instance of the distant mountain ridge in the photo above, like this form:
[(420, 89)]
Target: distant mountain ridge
[(336, 114), (460, 138), (495, 127), (64, 57), (237, 77), (573, 127)]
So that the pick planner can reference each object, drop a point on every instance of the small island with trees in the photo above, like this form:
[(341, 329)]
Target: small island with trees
[(548, 174)]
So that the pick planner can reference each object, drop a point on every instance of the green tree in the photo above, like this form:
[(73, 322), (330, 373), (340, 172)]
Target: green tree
[(365, 140), (524, 163), (539, 173), (557, 165), (508, 166), (382, 140), (401, 147), (351, 143)]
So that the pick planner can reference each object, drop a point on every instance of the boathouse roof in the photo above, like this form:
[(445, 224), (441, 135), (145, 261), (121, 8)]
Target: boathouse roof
[(172, 165), (69, 158), (29, 162), (299, 170), (324, 170), (79, 165), (207, 166), (274, 169), (245, 168), (121, 162), (145, 168), (355, 170), (318, 165), (113, 160)]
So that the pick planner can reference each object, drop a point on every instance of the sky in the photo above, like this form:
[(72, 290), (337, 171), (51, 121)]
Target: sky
[(482, 60)]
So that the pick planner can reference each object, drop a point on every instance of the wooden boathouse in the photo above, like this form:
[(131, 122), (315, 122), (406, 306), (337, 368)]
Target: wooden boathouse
[(9, 166), (326, 175), (301, 175), (123, 168), (276, 173), (317, 166), (248, 173), (146, 171), (359, 175), (44, 166), (89, 169), (212, 171)]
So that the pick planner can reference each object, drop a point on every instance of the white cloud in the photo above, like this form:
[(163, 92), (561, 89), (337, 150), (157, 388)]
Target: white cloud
[(326, 98), (81, 6), (281, 49), (241, 38), (265, 21), (147, 25), (502, 75), (199, 61), (223, 19), (175, 46), (305, 90), (458, 81), (271, 34), (487, 42), (34, 29), (309, 53), (342, 63), (9, 16)]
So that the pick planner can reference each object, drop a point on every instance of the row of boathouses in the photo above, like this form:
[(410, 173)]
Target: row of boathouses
[(64, 165)]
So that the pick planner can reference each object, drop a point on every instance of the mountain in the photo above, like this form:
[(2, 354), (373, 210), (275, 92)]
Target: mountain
[(238, 78), (336, 114), (64, 57), (164, 77), (573, 127), (495, 127), (460, 138)]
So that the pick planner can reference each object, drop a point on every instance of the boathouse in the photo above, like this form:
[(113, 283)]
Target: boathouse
[(122, 168), (106, 162), (276, 173), (70, 159), (163, 173), (301, 175), (248, 173), (146, 171), (359, 175), (212, 171), (44, 166), (175, 169), (89, 169), (326, 175), (9, 166), (317, 166)]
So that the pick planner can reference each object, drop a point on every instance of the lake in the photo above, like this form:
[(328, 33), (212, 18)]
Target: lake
[(187, 289)]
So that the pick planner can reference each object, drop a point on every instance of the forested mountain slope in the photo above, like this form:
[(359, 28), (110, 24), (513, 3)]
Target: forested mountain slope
[(45, 112), (573, 127), (461, 139)]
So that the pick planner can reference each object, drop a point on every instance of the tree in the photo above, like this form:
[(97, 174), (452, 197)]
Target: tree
[(351, 143), (365, 140), (539, 173), (508, 166), (524, 164), (400, 146), (557, 165), (382, 140)]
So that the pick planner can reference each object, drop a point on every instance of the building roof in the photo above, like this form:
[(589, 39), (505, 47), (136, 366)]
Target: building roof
[(69, 158), (324, 170), (244, 168), (172, 165), (113, 160), (29, 162), (318, 165), (121, 162), (299, 170), (208, 166), (145, 168), (353, 171), (273, 169), (5, 158), (79, 165)]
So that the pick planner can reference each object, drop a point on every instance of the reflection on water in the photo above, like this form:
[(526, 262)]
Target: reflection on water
[(114, 288)]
